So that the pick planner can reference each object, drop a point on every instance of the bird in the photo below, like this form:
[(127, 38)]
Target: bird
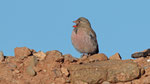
[(84, 38)]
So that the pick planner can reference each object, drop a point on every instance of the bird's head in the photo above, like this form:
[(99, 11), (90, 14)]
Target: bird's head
[(81, 22)]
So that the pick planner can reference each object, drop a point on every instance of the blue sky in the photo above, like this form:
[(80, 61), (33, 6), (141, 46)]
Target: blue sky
[(121, 25)]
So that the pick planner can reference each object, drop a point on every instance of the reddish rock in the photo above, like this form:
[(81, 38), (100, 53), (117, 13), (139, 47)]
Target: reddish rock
[(98, 57), (139, 54), (115, 57), (93, 58), (1, 56), (124, 83), (106, 82), (147, 71), (83, 58), (22, 51), (136, 82), (146, 80), (144, 53), (57, 73), (69, 58), (30, 71), (65, 71), (80, 82), (55, 55), (59, 81), (110, 70), (141, 61), (40, 55)]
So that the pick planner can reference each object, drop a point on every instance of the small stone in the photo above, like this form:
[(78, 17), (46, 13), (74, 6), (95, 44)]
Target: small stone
[(23, 57), (44, 70), (136, 82), (115, 57), (65, 71), (12, 65), (1, 56), (84, 57), (60, 81), (139, 54), (148, 60), (128, 83), (41, 55), (147, 51), (30, 71), (98, 57), (33, 61), (124, 83), (57, 73), (79, 82), (56, 55), (68, 81), (69, 58), (22, 51), (147, 71), (144, 53), (146, 80), (106, 82), (16, 71)]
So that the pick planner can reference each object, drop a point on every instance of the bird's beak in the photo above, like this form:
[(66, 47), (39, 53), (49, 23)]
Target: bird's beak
[(75, 21)]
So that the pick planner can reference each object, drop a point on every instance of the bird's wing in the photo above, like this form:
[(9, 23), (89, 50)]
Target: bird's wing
[(93, 38)]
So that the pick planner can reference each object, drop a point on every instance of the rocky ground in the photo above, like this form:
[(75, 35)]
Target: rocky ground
[(52, 67)]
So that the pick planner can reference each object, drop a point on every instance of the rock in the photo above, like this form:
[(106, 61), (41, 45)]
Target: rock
[(88, 73), (16, 71), (40, 55), (30, 71), (22, 51), (80, 82), (136, 82), (141, 54), (83, 59), (148, 52), (1, 56), (122, 71), (124, 83), (115, 57), (147, 71), (33, 61), (57, 73), (128, 83), (55, 55), (138, 60), (60, 81), (110, 70), (69, 58), (29, 65), (146, 80), (65, 71), (98, 57), (106, 82)]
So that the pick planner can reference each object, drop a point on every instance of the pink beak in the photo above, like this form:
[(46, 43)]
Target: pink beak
[(75, 21)]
